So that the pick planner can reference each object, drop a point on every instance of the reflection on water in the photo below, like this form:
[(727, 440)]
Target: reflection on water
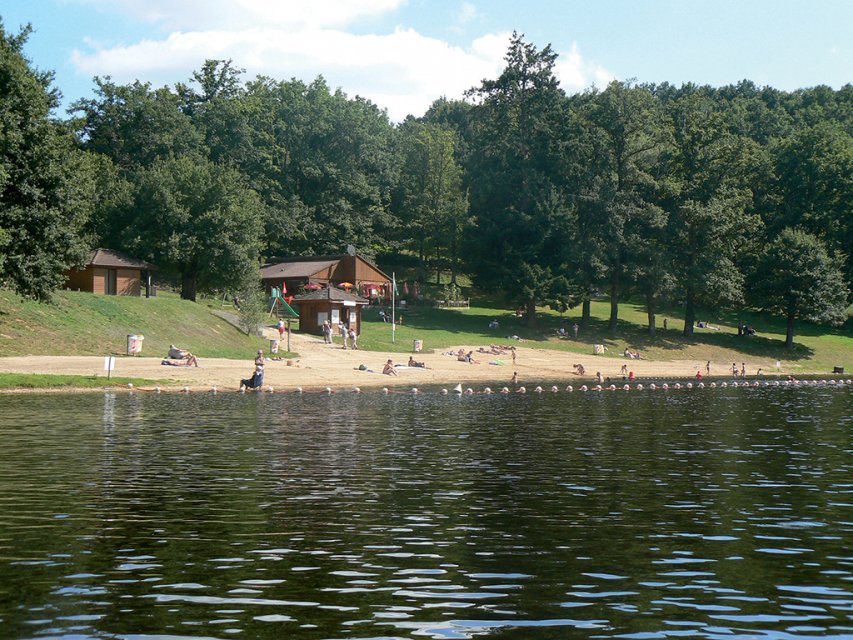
[(715, 513)]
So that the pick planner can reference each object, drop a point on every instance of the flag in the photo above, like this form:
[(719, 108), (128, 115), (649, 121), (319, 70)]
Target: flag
[(394, 284)]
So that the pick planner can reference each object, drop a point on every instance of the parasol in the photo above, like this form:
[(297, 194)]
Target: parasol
[(345, 285), (312, 286)]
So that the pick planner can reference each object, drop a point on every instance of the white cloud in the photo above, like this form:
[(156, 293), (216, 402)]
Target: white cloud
[(402, 71), (576, 74)]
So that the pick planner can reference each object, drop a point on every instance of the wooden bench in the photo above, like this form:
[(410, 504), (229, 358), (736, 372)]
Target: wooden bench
[(454, 304)]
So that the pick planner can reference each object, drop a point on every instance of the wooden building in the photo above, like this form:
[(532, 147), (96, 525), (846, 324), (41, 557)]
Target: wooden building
[(349, 271), (112, 273), (329, 303)]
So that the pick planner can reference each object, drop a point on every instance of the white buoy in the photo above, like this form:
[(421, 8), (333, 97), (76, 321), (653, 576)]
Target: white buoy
[(612, 387), (130, 385), (444, 392), (724, 384), (270, 389), (640, 387), (755, 384), (713, 385), (157, 390), (598, 387), (414, 391), (328, 390), (538, 389), (584, 387), (186, 389), (356, 390), (213, 389), (554, 389), (469, 391), (701, 385), (505, 390), (385, 390), (735, 384), (626, 388), (570, 388), (298, 390), (487, 391), (664, 386), (677, 385), (521, 390), (457, 388), (689, 385), (652, 386)]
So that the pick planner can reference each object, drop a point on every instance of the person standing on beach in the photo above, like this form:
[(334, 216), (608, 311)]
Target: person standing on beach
[(575, 328), (708, 367), (353, 337), (343, 329)]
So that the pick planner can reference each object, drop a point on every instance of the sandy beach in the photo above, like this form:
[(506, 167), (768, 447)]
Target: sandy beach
[(320, 365)]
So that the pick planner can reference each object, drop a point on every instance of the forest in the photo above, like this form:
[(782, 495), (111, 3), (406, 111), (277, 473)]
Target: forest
[(712, 197)]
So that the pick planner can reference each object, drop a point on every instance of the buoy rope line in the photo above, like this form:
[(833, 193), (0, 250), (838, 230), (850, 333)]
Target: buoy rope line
[(469, 391)]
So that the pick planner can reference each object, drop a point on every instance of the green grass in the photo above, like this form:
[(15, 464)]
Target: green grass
[(78, 323), (816, 348), (50, 381), (85, 324)]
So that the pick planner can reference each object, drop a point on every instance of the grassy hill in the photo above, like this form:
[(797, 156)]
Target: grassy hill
[(85, 324), (78, 323)]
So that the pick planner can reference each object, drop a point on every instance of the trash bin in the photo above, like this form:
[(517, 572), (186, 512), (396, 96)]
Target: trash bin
[(417, 345), (273, 346), (134, 344)]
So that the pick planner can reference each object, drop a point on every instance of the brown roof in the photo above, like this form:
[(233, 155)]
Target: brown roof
[(110, 258), (330, 293), (294, 269)]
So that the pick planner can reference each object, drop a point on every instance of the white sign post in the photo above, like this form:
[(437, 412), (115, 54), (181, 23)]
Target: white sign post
[(109, 365)]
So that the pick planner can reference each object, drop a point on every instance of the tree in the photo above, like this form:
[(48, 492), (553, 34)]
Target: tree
[(522, 217), (434, 206), (814, 187), (797, 277), (627, 133), (707, 174), (135, 125), (197, 219), (45, 183)]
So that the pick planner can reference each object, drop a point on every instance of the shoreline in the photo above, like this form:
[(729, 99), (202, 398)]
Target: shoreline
[(321, 366)]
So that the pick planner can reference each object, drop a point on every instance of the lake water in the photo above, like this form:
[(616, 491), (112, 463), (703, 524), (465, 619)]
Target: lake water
[(714, 513)]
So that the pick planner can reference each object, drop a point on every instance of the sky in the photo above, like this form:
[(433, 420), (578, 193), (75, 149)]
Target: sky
[(404, 54)]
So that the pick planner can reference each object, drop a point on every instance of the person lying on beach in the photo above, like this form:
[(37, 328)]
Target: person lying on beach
[(388, 369), (188, 360), (412, 363)]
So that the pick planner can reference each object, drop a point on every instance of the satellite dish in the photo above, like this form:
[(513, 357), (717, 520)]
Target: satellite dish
[(351, 249)]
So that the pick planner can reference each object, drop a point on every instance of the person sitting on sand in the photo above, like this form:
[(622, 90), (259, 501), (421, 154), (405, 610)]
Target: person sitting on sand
[(599, 377), (176, 353), (191, 360), (256, 381), (389, 369)]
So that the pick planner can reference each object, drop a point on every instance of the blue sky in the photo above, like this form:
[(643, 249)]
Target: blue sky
[(403, 54)]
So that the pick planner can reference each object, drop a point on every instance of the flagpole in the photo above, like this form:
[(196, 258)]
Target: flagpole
[(393, 321)]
